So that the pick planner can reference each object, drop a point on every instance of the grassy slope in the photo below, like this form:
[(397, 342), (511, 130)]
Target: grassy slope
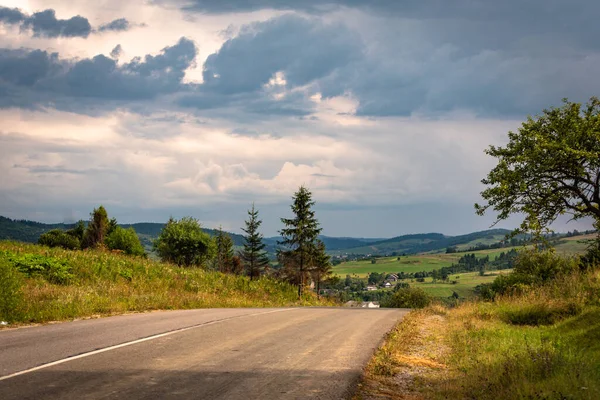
[(574, 245), (509, 349), (416, 263), (424, 262), (105, 283), (466, 282), (488, 240)]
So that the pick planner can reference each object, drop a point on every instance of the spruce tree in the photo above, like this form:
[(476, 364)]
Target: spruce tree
[(321, 268), (224, 258), (300, 235), (254, 256), (97, 228)]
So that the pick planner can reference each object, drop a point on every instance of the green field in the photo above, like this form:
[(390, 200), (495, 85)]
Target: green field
[(414, 263), (417, 263), (465, 285), (574, 245), (488, 240)]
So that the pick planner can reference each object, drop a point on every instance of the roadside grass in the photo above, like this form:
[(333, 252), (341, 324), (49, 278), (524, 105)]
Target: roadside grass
[(98, 283), (539, 344), (411, 353)]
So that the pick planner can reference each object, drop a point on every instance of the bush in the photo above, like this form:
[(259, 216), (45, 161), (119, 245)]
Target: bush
[(532, 268), (51, 269), (184, 243), (11, 297), (410, 297), (591, 258), (59, 238), (126, 240), (544, 266)]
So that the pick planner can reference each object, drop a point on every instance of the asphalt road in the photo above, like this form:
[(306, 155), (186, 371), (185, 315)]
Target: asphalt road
[(291, 353)]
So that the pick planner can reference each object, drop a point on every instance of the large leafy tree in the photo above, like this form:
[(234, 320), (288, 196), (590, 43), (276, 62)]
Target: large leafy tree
[(300, 235), (254, 256), (183, 242), (550, 167)]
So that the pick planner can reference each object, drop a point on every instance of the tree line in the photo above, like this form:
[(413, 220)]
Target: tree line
[(301, 256)]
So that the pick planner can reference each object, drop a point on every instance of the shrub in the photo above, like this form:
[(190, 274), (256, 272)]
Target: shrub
[(126, 240), (544, 266), (77, 231), (11, 297), (532, 268), (52, 269), (591, 258), (410, 297), (59, 238), (184, 243)]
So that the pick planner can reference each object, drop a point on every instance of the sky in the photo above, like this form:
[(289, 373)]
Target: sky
[(200, 108)]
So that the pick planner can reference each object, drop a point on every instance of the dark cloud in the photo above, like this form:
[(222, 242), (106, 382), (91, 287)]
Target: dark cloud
[(490, 61), (117, 25), (301, 50), (400, 58), (11, 15), (531, 10), (45, 23), (116, 52), (38, 78)]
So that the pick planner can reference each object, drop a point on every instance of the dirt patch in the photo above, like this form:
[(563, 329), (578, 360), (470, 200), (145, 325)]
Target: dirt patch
[(412, 355)]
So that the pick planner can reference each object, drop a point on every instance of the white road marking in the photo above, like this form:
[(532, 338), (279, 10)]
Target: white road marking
[(118, 346)]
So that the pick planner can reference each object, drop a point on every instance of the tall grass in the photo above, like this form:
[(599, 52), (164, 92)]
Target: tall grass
[(104, 283)]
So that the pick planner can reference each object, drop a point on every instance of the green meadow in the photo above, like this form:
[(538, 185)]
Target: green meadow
[(574, 245), (464, 286), (416, 263), (408, 264)]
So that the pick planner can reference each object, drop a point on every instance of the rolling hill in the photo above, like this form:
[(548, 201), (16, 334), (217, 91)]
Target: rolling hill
[(30, 231), (427, 242)]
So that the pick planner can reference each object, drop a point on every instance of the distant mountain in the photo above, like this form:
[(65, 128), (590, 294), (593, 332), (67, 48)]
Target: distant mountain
[(30, 231), (426, 242), (331, 243), (26, 231)]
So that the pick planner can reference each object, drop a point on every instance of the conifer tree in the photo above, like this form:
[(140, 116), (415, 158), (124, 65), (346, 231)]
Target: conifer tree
[(321, 268), (97, 228), (300, 235), (254, 256), (224, 258)]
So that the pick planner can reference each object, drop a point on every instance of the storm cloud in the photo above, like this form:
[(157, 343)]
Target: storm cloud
[(39, 78), (118, 25), (45, 24), (407, 67)]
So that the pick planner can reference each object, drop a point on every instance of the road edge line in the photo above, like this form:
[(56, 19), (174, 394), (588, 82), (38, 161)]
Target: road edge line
[(141, 340)]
